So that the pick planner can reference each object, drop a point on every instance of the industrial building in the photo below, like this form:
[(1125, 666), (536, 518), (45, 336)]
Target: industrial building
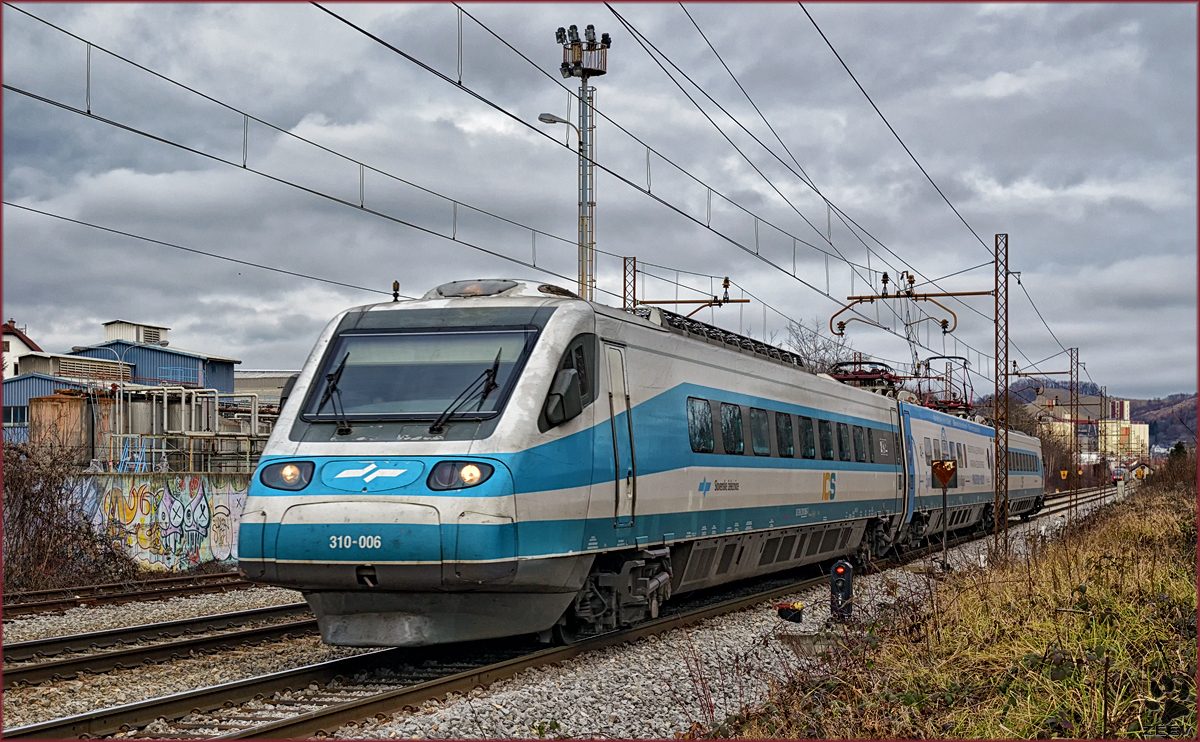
[(134, 403)]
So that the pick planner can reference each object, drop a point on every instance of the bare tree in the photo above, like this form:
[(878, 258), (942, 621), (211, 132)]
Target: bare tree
[(819, 352)]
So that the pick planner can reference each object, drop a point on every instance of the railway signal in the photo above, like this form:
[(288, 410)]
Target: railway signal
[(944, 471), (841, 590)]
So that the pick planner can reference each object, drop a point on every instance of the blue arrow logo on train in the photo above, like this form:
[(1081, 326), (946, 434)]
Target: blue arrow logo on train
[(705, 486)]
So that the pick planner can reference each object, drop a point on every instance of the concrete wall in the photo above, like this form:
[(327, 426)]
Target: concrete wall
[(171, 520)]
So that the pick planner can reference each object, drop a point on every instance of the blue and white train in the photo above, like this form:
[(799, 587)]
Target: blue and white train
[(501, 457)]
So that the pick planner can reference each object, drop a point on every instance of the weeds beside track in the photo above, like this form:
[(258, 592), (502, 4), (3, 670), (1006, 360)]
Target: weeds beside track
[(1089, 635)]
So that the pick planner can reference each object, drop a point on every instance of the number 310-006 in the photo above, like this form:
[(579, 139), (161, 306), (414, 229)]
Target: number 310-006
[(349, 542)]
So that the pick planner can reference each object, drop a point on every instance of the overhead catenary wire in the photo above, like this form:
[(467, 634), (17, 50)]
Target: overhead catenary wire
[(802, 176), (247, 116), (707, 223), (196, 251), (619, 177), (915, 160), (284, 181), (338, 200), (889, 126), (418, 186), (497, 107), (572, 95)]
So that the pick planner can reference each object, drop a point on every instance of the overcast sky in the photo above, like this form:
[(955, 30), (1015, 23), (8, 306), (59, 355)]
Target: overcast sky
[(1072, 128)]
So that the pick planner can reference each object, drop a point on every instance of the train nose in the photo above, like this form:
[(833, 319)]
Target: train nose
[(385, 525)]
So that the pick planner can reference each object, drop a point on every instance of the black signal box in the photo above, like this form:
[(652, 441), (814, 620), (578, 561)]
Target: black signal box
[(841, 590)]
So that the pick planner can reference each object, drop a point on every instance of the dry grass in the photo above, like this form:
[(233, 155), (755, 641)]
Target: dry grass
[(48, 542), (1093, 635)]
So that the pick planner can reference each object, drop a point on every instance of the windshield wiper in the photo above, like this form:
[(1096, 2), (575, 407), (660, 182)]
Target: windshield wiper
[(491, 384), (439, 425), (331, 387)]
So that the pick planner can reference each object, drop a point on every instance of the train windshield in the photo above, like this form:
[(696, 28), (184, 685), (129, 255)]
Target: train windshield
[(419, 375)]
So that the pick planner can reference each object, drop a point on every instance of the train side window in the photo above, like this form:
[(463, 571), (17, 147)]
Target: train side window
[(700, 426), (783, 435), (731, 428), (860, 444), (871, 443), (843, 434), (760, 432), (808, 443), (928, 453), (581, 356), (825, 434)]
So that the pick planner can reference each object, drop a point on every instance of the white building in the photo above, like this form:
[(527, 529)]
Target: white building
[(16, 344)]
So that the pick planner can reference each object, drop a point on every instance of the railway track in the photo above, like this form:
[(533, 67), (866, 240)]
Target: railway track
[(71, 655), (319, 698), (44, 601)]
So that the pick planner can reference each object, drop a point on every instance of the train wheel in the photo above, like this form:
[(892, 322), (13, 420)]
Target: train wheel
[(566, 631)]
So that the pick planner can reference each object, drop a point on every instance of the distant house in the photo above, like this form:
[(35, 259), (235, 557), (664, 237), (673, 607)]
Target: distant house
[(16, 345)]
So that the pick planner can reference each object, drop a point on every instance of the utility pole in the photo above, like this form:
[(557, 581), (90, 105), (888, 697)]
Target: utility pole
[(1073, 475), (1000, 419), (583, 59), (629, 294)]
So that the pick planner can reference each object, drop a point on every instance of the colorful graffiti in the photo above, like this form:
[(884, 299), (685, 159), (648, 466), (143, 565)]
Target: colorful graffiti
[(169, 521)]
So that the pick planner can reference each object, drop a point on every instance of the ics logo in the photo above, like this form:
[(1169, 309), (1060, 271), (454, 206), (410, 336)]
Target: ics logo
[(705, 486), (828, 485)]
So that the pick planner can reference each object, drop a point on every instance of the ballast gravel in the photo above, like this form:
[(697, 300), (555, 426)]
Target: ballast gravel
[(97, 618)]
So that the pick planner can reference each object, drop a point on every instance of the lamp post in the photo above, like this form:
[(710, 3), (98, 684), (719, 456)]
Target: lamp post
[(583, 59), (120, 371)]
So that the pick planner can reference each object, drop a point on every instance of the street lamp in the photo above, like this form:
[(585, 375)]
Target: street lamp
[(583, 59)]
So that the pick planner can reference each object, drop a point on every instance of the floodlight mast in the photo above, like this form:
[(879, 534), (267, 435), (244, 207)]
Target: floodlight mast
[(583, 59)]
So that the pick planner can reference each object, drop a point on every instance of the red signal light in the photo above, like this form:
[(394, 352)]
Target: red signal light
[(841, 570)]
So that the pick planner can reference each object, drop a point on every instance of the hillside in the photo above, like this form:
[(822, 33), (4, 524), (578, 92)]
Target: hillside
[(1171, 419)]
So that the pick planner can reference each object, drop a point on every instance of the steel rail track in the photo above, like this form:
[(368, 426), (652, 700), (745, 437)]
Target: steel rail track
[(100, 661), (334, 708), (169, 587)]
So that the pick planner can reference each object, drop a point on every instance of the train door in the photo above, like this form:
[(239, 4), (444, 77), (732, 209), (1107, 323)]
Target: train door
[(621, 420), (910, 474), (901, 471)]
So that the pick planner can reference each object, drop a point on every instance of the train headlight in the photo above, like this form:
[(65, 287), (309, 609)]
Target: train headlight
[(292, 475), (470, 474), (454, 475)]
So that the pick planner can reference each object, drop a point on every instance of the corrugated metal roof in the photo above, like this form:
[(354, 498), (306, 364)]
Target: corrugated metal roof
[(20, 389), (248, 374), (168, 349), (127, 322)]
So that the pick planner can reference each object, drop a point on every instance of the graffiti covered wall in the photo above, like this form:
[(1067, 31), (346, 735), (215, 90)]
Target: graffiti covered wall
[(170, 521)]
